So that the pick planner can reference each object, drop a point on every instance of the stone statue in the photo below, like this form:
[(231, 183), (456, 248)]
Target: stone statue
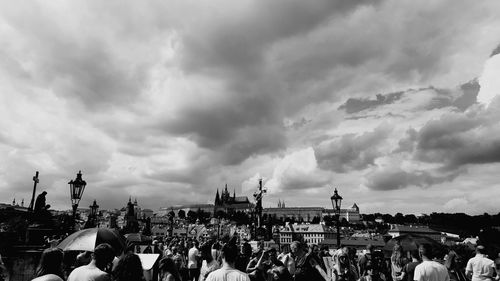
[(40, 205)]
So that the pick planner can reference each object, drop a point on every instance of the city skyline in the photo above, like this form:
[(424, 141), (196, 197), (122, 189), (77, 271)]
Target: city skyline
[(394, 103)]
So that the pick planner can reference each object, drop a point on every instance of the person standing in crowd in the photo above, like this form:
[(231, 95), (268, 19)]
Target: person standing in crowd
[(409, 268), (255, 269), (243, 256), (280, 273), (129, 268), (305, 265), (497, 269), (451, 263), (97, 269), (289, 259), (364, 260), (228, 272), (343, 270), (209, 264), (193, 257), (50, 267), (398, 261), (374, 261), (480, 267), (168, 270), (429, 270)]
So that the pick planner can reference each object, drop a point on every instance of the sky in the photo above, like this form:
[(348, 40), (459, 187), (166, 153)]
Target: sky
[(394, 103)]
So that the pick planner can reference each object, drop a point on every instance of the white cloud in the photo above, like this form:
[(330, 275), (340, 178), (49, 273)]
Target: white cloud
[(490, 84)]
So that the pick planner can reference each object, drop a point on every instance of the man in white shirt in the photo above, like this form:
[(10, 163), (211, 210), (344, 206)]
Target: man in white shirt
[(480, 268), (96, 269), (193, 256), (429, 270), (228, 272)]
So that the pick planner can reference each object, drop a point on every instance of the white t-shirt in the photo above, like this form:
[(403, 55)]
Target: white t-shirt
[(48, 277), (227, 274), (88, 273), (193, 258), (482, 268), (430, 271)]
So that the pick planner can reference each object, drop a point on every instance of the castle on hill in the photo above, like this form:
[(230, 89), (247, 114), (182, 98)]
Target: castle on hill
[(231, 203)]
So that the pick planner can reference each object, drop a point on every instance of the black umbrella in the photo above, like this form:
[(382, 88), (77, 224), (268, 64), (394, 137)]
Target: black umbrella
[(88, 239)]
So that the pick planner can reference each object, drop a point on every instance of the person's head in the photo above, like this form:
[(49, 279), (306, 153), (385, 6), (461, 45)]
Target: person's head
[(497, 265), (369, 248), (281, 273), (480, 249), (397, 254), (414, 254), (273, 254), (177, 261), (83, 258), (206, 252), (324, 249), (51, 262), (229, 253), (167, 265), (425, 250), (129, 268), (295, 248), (103, 255), (246, 249)]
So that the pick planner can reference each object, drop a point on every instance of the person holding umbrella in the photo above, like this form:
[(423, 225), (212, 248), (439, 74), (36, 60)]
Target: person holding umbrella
[(96, 270)]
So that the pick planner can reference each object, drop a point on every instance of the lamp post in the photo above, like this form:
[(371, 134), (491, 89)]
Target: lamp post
[(336, 202), (76, 188), (93, 214)]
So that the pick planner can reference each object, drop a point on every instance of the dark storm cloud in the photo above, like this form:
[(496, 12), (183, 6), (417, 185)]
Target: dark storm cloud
[(64, 62), (351, 151), (354, 105), (237, 43), (456, 140), (396, 178)]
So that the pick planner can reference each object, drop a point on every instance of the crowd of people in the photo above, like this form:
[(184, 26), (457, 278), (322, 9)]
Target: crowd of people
[(232, 260)]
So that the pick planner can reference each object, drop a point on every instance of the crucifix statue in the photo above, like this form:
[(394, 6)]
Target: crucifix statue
[(35, 180)]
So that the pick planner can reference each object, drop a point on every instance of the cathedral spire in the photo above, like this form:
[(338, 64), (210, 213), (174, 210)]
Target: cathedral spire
[(217, 198)]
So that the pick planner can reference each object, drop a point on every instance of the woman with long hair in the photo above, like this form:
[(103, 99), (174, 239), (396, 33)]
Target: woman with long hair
[(129, 268), (50, 267), (398, 261), (168, 270), (209, 264)]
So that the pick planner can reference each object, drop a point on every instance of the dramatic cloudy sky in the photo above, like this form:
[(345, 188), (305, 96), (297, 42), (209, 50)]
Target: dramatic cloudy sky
[(392, 102)]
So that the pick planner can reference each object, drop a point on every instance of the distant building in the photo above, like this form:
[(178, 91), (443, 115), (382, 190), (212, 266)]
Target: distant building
[(311, 233), (207, 208), (398, 229), (307, 214), (349, 214), (227, 203)]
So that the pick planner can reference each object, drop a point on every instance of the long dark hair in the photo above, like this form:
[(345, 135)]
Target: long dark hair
[(129, 268), (51, 262), (168, 265)]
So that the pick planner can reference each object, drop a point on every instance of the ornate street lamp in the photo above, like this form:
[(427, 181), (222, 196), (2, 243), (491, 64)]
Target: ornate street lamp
[(336, 203), (93, 209), (93, 213), (76, 188)]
